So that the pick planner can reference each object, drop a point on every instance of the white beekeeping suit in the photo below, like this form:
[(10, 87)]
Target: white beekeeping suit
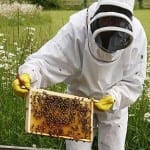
[(78, 56)]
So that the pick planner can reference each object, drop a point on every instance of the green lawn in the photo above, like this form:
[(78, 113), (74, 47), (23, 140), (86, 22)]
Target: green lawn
[(143, 17), (42, 27)]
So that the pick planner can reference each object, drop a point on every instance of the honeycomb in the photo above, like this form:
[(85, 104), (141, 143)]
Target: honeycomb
[(59, 115)]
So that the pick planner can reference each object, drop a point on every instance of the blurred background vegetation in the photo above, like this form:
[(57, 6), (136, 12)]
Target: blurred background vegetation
[(23, 32), (71, 4)]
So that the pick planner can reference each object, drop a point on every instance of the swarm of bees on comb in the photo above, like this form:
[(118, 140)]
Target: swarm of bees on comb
[(59, 115)]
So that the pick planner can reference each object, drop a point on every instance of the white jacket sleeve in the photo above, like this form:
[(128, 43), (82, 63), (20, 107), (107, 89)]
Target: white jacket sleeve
[(56, 61), (130, 87)]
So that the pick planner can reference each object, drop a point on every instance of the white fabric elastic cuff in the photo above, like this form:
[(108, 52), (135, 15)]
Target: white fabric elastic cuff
[(117, 98), (31, 72)]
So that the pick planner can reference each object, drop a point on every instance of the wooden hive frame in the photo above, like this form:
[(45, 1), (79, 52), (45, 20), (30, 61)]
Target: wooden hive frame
[(59, 115)]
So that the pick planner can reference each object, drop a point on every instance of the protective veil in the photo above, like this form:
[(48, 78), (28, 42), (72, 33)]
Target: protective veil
[(89, 70), (111, 31)]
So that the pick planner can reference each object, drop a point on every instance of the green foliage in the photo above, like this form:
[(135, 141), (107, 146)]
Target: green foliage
[(140, 4), (21, 35), (47, 3), (24, 20), (139, 118), (144, 20)]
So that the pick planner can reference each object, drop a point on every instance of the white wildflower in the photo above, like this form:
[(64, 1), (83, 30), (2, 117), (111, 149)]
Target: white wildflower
[(18, 49), (31, 33), (4, 58), (29, 28), (8, 10), (34, 145), (1, 65), (3, 78), (147, 116), (131, 115), (1, 34), (10, 55), (4, 40), (33, 29), (15, 43), (6, 66), (32, 40), (2, 52), (1, 47)]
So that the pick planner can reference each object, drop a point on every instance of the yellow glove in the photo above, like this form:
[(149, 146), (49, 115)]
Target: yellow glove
[(22, 84), (105, 103)]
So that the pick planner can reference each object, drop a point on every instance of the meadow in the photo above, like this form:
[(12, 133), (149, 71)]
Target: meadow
[(22, 34)]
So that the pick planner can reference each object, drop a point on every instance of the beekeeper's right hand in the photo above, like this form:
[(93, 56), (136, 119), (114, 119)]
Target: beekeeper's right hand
[(105, 103), (22, 84)]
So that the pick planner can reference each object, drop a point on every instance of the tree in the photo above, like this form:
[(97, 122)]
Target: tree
[(140, 4), (47, 3)]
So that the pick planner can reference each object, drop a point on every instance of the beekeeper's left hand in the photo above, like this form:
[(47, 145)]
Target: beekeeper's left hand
[(105, 103), (22, 84)]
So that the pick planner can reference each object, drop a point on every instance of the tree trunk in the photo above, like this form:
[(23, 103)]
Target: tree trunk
[(140, 4)]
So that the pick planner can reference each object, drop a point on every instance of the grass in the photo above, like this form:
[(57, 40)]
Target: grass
[(36, 29), (142, 16), (22, 35)]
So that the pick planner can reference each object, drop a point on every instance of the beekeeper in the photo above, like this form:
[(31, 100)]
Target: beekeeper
[(100, 53)]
